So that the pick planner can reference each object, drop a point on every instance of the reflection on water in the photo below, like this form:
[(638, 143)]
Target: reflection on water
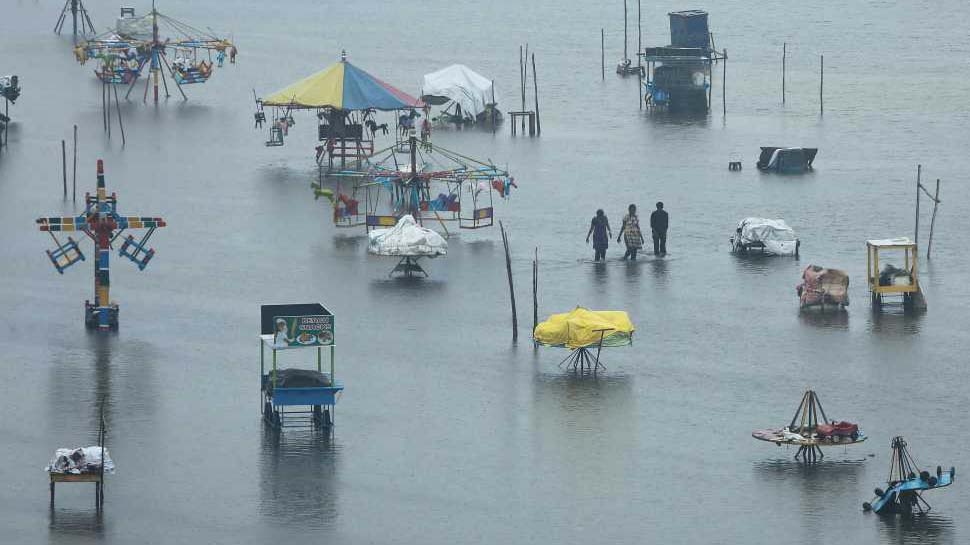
[(659, 269), (894, 320), (835, 476), (758, 263), (478, 247), (926, 529), (403, 287), (298, 472), (349, 243), (828, 319), (78, 523), (685, 119)]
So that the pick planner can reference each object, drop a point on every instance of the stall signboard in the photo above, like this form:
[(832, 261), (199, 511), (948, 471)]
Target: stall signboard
[(306, 330)]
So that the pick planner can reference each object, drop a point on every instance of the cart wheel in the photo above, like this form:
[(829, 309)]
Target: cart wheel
[(866, 506), (326, 418), (878, 492), (276, 419), (317, 415)]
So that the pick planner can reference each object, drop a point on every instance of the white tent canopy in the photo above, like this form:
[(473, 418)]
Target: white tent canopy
[(407, 239), (462, 85)]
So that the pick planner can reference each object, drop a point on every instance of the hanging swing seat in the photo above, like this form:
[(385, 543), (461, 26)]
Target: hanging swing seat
[(121, 75), (346, 212), (136, 251), (275, 137), (481, 217), (192, 74), (65, 255)]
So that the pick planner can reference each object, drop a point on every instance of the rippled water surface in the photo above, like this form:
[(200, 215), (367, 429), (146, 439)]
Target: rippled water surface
[(448, 432)]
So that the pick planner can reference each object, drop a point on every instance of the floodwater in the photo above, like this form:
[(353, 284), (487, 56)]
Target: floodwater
[(448, 432)]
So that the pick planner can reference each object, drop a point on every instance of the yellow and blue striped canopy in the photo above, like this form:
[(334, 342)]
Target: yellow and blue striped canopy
[(345, 87)]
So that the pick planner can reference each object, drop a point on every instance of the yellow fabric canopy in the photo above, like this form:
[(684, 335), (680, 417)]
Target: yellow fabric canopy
[(582, 327)]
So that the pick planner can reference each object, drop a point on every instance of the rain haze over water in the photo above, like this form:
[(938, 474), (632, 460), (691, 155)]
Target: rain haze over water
[(447, 431)]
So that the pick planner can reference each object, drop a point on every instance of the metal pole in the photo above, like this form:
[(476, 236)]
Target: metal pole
[(603, 53), (784, 60)]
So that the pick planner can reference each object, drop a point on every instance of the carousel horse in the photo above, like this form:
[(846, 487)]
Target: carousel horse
[(373, 127)]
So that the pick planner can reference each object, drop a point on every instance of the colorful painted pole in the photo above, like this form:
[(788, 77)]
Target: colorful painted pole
[(101, 222)]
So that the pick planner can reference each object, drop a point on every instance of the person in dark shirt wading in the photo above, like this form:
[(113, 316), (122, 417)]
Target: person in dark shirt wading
[(658, 225), (600, 229)]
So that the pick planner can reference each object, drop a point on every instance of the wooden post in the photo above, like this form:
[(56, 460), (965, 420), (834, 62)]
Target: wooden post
[(64, 165), (603, 52), (936, 202), (821, 81), (724, 84), (784, 61), (919, 170), (74, 177), (508, 269), (535, 85)]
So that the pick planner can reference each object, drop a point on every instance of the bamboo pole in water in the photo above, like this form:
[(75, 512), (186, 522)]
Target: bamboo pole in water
[(821, 81), (118, 109), (724, 83), (919, 171), (74, 177), (508, 269), (936, 202), (64, 165), (784, 61), (535, 85), (603, 53), (535, 292)]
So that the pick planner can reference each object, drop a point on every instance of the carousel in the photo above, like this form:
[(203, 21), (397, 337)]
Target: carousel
[(810, 430), (166, 48)]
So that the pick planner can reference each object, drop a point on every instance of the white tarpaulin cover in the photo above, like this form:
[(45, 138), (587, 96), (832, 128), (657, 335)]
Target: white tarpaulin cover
[(776, 235), (461, 84), (80, 460), (407, 238)]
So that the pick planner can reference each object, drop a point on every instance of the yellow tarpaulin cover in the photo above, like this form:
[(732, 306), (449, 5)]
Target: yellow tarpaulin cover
[(581, 327)]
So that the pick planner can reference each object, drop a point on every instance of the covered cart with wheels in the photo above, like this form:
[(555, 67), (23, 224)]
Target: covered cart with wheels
[(297, 396)]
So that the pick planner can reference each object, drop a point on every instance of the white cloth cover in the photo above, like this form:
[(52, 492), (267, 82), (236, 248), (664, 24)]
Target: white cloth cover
[(777, 236), (461, 84), (80, 460), (407, 238)]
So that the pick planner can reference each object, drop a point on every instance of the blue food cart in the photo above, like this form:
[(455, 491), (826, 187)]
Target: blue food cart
[(297, 396)]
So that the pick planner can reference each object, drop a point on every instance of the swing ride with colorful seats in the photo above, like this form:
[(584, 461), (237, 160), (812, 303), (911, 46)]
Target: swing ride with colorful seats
[(158, 43), (101, 222)]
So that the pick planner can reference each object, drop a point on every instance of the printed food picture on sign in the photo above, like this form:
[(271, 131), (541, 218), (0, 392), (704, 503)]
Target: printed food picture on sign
[(303, 331)]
